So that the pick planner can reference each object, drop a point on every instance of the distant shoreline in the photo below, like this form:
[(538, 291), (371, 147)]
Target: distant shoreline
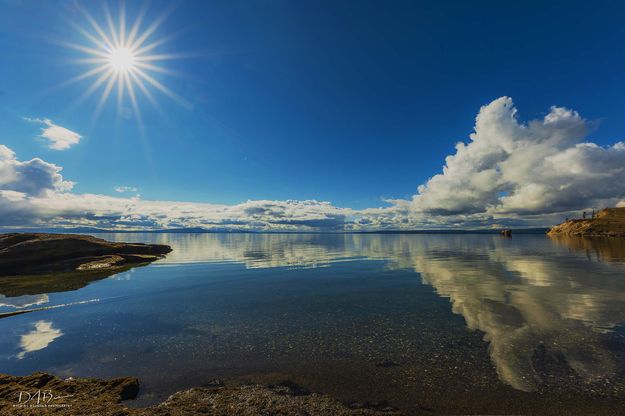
[(539, 230)]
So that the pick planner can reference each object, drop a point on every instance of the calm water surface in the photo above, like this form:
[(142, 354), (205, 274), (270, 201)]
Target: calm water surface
[(430, 323)]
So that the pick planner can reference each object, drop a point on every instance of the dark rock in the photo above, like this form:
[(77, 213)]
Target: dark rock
[(376, 405), (290, 388), (387, 364), (215, 383), (34, 253), (103, 397)]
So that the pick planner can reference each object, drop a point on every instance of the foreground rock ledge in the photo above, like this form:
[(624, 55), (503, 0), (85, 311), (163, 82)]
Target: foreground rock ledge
[(609, 222), (104, 397), (34, 253)]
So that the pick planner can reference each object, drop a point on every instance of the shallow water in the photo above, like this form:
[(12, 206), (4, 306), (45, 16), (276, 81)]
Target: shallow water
[(445, 323)]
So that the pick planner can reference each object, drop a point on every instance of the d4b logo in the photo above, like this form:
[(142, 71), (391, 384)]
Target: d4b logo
[(39, 398)]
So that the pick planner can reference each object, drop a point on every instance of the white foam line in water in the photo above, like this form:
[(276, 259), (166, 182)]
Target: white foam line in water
[(45, 308)]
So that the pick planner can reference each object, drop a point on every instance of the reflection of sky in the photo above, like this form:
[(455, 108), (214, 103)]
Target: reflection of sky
[(529, 295), (38, 339), (525, 294), (24, 301)]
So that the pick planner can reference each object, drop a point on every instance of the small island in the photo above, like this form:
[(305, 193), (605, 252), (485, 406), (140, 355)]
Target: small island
[(609, 222), (39, 253)]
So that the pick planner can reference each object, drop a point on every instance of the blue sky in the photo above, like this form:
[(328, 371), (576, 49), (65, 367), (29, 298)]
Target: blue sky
[(350, 102)]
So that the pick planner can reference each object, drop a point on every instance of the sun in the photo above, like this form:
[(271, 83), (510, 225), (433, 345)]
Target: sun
[(123, 60)]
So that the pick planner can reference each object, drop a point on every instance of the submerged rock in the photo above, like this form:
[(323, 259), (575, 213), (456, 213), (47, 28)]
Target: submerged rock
[(104, 397), (36, 253), (609, 222)]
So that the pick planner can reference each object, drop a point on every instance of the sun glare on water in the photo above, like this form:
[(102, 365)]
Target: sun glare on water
[(123, 59)]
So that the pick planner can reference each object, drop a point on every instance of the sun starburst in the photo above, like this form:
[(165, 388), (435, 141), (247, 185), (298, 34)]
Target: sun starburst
[(123, 60)]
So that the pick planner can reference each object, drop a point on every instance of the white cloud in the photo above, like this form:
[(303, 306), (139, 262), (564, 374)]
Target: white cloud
[(32, 178), (61, 209), (509, 174), (123, 189), (511, 169), (60, 138)]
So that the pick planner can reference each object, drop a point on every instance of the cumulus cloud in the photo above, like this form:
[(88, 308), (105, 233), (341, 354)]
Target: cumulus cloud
[(60, 138), (509, 174), (512, 168), (31, 178)]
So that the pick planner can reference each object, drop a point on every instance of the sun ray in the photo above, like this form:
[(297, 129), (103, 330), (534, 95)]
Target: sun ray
[(93, 87), (104, 97), (107, 90), (100, 43), (86, 49), (152, 28), (112, 31), (162, 88), (120, 91), (155, 68), (98, 30), (122, 25), (144, 90), (136, 25), (92, 61), (124, 59), (85, 75), (101, 80), (144, 49), (133, 101), (165, 57)]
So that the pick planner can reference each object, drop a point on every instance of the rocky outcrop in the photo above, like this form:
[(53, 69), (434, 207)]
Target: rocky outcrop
[(609, 222), (103, 397), (36, 253)]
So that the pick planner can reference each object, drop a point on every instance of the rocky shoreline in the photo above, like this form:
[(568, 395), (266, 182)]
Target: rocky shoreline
[(40, 253), (609, 222), (42, 393)]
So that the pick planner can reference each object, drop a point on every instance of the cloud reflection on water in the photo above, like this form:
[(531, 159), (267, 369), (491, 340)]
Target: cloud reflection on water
[(24, 301), (535, 299), (38, 339)]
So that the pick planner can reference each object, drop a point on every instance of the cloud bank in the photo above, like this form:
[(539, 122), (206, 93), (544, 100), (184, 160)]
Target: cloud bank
[(509, 173)]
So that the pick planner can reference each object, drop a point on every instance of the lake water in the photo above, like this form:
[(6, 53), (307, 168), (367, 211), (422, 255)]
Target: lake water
[(429, 323)]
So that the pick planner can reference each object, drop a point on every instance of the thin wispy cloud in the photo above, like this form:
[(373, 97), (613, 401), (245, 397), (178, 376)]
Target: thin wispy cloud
[(58, 137), (124, 189)]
